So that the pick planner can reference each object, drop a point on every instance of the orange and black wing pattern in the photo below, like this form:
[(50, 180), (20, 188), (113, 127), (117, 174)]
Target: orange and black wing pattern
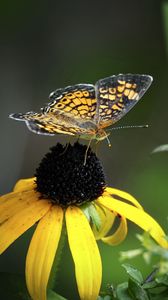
[(83, 109), (49, 124), (77, 100), (70, 111), (117, 94)]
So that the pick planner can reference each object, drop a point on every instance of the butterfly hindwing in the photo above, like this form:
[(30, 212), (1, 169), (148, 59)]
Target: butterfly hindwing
[(116, 95), (69, 112), (84, 109), (59, 122)]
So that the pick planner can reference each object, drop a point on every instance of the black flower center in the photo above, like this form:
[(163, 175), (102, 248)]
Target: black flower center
[(63, 177)]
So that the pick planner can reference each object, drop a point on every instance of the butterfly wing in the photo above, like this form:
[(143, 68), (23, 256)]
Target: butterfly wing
[(77, 100), (71, 111), (116, 95), (59, 122), (76, 109)]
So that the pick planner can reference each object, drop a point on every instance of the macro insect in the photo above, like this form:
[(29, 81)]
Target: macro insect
[(87, 110)]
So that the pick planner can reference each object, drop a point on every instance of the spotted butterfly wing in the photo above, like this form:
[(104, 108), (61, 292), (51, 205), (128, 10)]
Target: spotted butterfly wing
[(116, 95), (84, 109), (70, 111), (78, 100)]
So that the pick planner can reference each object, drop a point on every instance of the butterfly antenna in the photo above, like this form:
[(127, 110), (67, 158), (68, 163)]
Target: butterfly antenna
[(128, 127)]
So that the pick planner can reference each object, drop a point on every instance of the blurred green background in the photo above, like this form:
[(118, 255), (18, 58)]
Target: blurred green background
[(50, 44)]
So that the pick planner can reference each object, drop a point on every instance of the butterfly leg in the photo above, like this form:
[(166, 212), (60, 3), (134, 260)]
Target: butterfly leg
[(88, 146), (66, 147), (96, 147), (78, 138)]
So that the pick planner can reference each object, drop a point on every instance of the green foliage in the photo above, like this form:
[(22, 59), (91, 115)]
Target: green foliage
[(165, 22), (13, 287), (51, 295), (161, 148), (155, 286), (148, 250), (91, 214), (137, 288), (133, 273)]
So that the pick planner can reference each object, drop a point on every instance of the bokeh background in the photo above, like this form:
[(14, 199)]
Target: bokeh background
[(50, 44)]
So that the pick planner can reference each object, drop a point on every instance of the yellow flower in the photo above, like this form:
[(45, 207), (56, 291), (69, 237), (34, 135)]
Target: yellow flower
[(65, 188)]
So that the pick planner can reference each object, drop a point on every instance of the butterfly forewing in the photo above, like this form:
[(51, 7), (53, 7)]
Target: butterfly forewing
[(78, 100), (116, 95), (84, 109)]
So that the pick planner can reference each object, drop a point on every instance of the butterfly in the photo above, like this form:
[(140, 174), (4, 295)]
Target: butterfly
[(86, 109)]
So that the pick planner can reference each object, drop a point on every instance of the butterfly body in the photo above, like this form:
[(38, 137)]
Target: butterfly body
[(85, 109)]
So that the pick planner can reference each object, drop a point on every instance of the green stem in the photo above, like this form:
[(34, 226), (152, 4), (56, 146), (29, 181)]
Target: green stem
[(57, 259), (165, 23)]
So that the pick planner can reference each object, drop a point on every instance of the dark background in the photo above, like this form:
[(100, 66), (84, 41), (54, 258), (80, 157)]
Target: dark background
[(50, 44)]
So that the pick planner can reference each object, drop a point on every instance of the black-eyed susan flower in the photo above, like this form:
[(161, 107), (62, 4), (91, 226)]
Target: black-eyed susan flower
[(65, 189)]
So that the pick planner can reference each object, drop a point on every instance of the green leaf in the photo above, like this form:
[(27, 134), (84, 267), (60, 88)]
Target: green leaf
[(130, 254), (147, 256), (122, 292), (152, 246), (159, 290), (13, 287), (85, 209), (149, 285), (107, 297), (51, 295), (165, 23), (136, 291), (161, 148), (163, 279), (146, 240), (161, 296), (95, 218), (133, 273)]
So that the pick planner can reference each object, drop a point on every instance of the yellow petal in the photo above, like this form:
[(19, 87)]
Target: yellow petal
[(124, 195), (85, 253), (13, 202), (119, 235), (138, 216), (18, 212), (42, 251), (24, 184), (107, 219)]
